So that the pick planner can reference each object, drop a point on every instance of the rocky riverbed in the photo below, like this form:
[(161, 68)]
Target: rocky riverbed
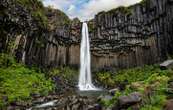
[(68, 101)]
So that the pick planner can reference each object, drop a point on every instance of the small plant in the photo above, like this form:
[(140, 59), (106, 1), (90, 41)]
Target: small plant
[(105, 78), (6, 60)]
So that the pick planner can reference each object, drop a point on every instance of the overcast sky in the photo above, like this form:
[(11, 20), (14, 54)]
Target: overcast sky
[(86, 9)]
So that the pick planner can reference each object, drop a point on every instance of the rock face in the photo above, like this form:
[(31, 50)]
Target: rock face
[(24, 34), (61, 43), (168, 64), (133, 36), (120, 38)]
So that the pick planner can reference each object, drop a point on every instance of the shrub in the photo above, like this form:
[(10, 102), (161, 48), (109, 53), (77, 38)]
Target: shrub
[(106, 78), (66, 73), (6, 60)]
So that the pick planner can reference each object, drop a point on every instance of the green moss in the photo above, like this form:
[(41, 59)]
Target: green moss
[(143, 2), (130, 75), (37, 10), (63, 19), (6, 60), (66, 73), (18, 82), (139, 74), (91, 26), (41, 18), (106, 78)]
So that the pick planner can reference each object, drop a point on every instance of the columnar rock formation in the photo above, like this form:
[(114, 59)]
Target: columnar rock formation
[(61, 43), (133, 36), (121, 38), (47, 43)]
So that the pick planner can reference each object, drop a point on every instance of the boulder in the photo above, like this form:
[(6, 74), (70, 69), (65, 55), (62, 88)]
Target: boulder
[(113, 91), (125, 102), (167, 64), (169, 105), (95, 107)]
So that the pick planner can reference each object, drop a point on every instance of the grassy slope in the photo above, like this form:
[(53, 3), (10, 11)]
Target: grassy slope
[(149, 80), (18, 82)]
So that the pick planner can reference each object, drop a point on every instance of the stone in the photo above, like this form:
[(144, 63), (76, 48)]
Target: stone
[(168, 64), (169, 105), (95, 107), (113, 91), (130, 100)]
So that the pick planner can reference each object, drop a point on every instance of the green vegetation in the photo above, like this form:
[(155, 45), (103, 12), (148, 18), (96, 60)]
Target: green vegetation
[(151, 81), (130, 75), (63, 19), (66, 73), (143, 2), (37, 10), (91, 26), (18, 83)]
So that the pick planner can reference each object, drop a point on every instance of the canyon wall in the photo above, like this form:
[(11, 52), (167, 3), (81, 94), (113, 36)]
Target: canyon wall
[(120, 38)]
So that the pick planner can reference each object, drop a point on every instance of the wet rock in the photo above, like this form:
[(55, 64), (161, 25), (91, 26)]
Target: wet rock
[(113, 91), (169, 105), (67, 103), (39, 100), (104, 97), (95, 107), (127, 101), (168, 64)]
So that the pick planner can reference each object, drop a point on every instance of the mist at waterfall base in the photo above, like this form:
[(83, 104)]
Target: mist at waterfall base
[(85, 80)]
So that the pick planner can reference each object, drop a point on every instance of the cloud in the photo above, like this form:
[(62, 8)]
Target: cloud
[(59, 4), (71, 8), (94, 6), (86, 9)]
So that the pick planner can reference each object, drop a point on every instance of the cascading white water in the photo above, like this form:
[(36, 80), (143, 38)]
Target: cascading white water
[(85, 81)]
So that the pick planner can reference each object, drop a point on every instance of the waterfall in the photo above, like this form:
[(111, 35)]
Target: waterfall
[(24, 52), (85, 81)]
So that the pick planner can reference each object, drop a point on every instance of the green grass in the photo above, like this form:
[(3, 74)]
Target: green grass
[(18, 82), (66, 73), (150, 81), (130, 75)]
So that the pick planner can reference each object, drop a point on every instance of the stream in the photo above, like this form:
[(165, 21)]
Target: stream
[(79, 100)]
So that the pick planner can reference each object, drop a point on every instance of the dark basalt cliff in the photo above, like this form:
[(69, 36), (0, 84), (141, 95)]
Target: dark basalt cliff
[(39, 36), (121, 38), (133, 36), (60, 45)]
